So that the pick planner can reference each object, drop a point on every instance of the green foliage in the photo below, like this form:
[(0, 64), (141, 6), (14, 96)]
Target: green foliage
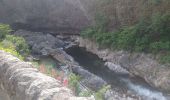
[(99, 94), (73, 79), (87, 93), (88, 33), (11, 51), (73, 82), (19, 43), (149, 35), (4, 30), (160, 46), (12, 44), (165, 58)]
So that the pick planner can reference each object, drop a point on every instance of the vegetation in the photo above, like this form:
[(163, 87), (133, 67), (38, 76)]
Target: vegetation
[(4, 30), (149, 35), (74, 83), (12, 44), (99, 95)]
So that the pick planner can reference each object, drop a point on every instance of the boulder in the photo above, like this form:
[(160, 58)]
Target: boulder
[(40, 43), (57, 16), (154, 73)]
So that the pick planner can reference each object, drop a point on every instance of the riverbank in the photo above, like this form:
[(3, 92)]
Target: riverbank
[(138, 64), (55, 46)]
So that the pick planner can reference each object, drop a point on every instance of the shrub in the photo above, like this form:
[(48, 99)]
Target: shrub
[(126, 39), (88, 33), (19, 43), (11, 51), (86, 93), (73, 83), (7, 44), (160, 46), (12, 44), (165, 58), (149, 35), (4, 30), (99, 95)]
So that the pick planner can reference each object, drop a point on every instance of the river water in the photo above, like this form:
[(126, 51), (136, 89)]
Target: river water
[(120, 82)]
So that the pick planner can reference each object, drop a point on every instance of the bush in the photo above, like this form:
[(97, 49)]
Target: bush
[(88, 33), (4, 30), (12, 44), (165, 58), (126, 39), (149, 35), (19, 43), (85, 93), (11, 51), (99, 95), (160, 46), (73, 83)]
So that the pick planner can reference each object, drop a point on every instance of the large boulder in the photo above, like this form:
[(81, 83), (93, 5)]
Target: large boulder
[(40, 44), (142, 65), (60, 16)]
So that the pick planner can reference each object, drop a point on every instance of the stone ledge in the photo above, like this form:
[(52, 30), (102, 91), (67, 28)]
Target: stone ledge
[(23, 82)]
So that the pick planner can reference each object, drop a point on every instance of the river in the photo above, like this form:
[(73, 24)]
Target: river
[(118, 81)]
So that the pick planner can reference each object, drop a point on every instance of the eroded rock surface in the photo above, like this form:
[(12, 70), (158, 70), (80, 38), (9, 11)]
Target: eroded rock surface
[(40, 43), (141, 65), (58, 16), (23, 82)]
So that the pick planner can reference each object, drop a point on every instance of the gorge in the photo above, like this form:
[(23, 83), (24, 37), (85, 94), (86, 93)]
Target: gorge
[(118, 44)]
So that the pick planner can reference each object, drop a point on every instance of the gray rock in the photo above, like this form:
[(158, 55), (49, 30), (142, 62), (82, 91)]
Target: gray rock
[(116, 68), (90, 80), (142, 65), (23, 82), (41, 44), (58, 16)]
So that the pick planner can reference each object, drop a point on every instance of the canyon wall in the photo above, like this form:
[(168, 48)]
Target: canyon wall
[(20, 81), (60, 16), (72, 16), (122, 13)]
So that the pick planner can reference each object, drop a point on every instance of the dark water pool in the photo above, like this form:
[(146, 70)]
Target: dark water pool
[(118, 81)]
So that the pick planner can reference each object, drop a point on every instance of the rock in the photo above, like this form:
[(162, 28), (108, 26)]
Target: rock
[(154, 73), (56, 16), (23, 82), (141, 65), (90, 80), (116, 68), (113, 95), (41, 44)]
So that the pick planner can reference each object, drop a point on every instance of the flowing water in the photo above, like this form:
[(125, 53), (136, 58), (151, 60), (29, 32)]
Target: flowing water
[(118, 81)]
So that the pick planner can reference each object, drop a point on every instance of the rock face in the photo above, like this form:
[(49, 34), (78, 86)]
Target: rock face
[(141, 65), (23, 82), (48, 45), (40, 44), (60, 16), (90, 80)]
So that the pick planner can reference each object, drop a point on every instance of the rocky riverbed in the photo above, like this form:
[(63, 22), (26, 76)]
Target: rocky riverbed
[(49, 45), (139, 64)]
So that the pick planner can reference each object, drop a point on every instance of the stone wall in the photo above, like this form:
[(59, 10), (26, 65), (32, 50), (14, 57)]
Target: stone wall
[(21, 81)]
